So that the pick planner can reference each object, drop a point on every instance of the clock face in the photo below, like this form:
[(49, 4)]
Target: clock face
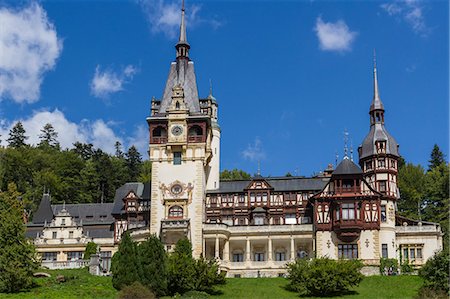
[(177, 130), (176, 189)]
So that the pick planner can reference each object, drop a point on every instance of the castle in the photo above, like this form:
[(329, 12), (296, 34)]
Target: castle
[(253, 227)]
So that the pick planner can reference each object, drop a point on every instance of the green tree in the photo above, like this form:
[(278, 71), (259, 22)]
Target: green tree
[(134, 162), (125, 265), (145, 175), (118, 147), (17, 254), (435, 272), (17, 136), (235, 174), (181, 268), (411, 182), (83, 150), (153, 260), (91, 248), (48, 136), (437, 158)]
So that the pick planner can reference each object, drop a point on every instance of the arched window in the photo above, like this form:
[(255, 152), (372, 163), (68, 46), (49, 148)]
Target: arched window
[(195, 131), (176, 212), (159, 132), (177, 105)]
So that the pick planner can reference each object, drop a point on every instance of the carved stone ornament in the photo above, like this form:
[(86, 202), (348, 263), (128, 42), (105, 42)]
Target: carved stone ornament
[(176, 190)]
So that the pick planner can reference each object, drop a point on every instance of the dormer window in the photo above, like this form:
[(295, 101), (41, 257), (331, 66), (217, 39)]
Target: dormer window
[(368, 165), (381, 146), (63, 222)]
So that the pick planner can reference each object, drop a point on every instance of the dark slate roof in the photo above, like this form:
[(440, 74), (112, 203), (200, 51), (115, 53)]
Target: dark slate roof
[(378, 133), (99, 231), (278, 183), (347, 166), (182, 73), (140, 189), (88, 212), (44, 211)]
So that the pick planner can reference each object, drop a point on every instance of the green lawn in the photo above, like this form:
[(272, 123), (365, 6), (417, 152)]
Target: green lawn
[(82, 285)]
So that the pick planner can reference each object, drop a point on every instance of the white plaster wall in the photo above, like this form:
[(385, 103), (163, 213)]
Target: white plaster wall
[(432, 244), (214, 173), (367, 249)]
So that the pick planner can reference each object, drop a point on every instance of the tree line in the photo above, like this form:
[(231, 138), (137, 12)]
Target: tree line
[(81, 174)]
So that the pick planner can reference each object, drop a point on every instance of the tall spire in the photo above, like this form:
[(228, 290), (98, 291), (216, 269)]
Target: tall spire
[(376, 102), (182, 46)]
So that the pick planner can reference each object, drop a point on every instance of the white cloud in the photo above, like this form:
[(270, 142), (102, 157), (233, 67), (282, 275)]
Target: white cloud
[(254, 151), (410, 11), (29, 47), (98, 132), (334, 36), (140, 139), (164, 16), (105, 83)]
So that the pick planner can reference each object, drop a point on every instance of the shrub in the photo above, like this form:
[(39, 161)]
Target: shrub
[(406, 267), (207, 274), (91, 248), (386, 264), (323, 276), (435, 272), (427, 293), (136, 291)]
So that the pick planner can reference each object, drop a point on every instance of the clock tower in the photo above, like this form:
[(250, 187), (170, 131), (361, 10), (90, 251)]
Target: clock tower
[(184, 150)]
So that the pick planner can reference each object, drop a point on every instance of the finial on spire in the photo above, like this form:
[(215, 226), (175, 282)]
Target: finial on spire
[(374, 59), (376, 102), (345, 144), (210, 87), (182, 46), (351, 150)]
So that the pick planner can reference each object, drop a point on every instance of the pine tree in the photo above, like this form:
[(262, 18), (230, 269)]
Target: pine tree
[(181, 268), (437, 158), (118, 148), (146, 172), (125, 266), (17, 136), (48, 136), (17, 254), (134, 162), (153, 260)]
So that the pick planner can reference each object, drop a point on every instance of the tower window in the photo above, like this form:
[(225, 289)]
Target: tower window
[(368, 165), (383, 213), (176, 212), (177, 158), (348, 211), (382, 186), (384, 251), (177, 105), (381, 163)]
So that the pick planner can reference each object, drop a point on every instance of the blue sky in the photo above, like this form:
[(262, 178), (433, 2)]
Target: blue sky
[(290, 77)]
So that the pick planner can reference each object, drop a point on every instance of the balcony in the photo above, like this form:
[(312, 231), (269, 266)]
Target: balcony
[(432, 229), (174, 224), (348, 230), (136, 224), (354, 189)]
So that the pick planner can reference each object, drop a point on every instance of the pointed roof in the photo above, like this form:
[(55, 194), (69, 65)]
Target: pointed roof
[(347, 166), (44, 212), (182, 40), (182, 74), (376, 101)]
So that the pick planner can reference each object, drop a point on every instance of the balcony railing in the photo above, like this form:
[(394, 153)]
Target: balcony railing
[(174, 223), (158, 140), (354, 189), (196, 138), (136, 224), (258, 228), (418, 228), (65, 264)]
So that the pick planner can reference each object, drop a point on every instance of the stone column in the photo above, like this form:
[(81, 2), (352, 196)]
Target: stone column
[(292, 257), (217, 254), (226, 251), (247, 251), (269, 249)]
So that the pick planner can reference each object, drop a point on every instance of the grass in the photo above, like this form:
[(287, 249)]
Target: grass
[(80, 284), (372, 287)]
